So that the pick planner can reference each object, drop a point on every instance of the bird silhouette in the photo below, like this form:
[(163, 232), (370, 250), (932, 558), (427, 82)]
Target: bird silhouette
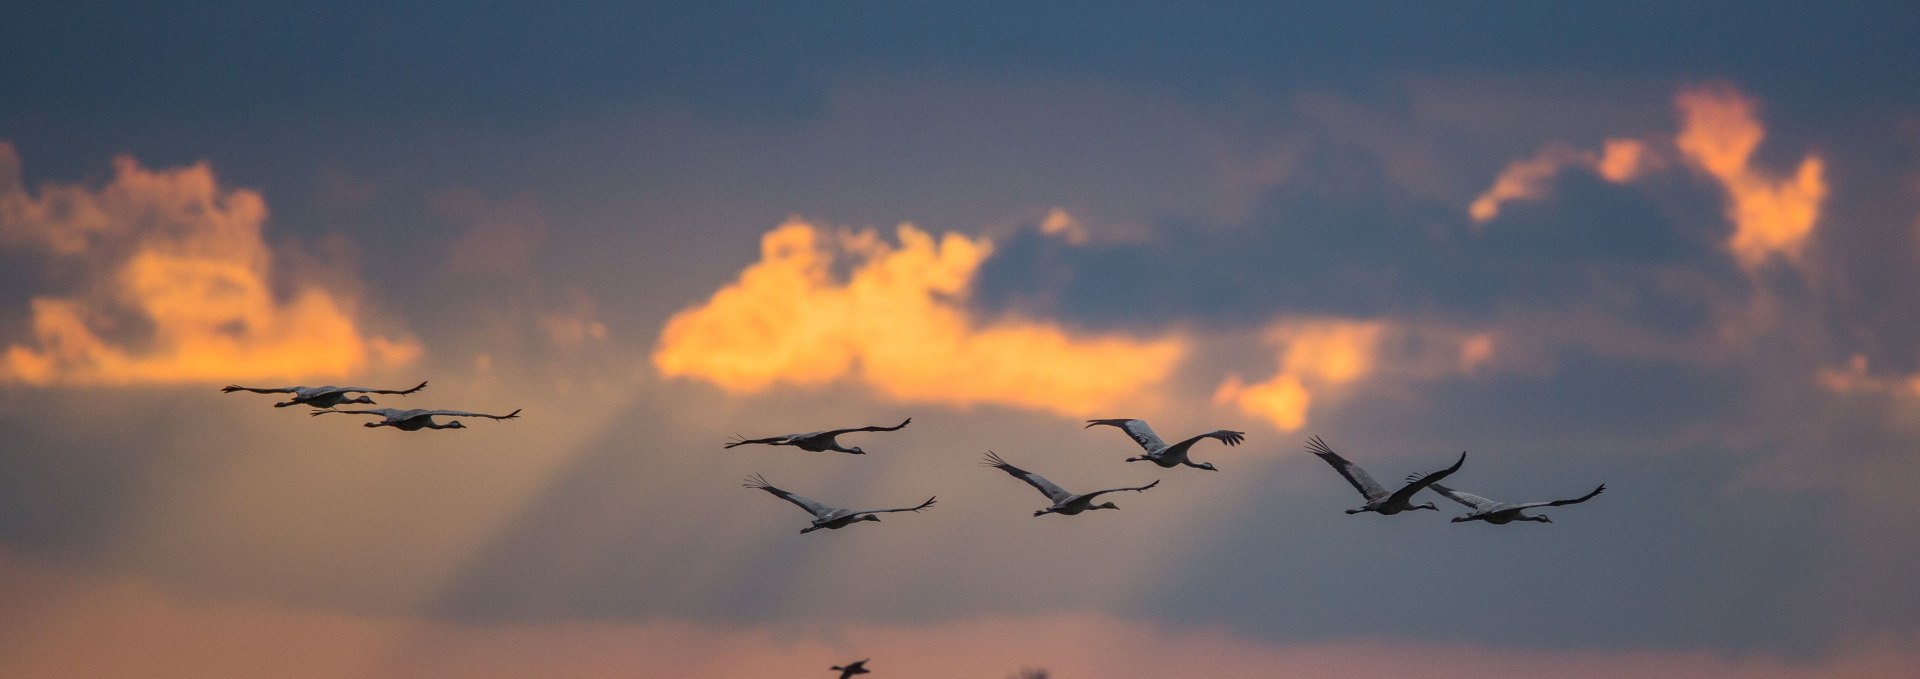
[(1378, 499), (816, 442)]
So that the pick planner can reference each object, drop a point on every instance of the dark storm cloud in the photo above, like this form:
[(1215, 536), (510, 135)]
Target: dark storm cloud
[(1360, 246)]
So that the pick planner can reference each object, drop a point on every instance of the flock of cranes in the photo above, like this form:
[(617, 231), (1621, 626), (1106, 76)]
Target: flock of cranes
[(323, 399), (1377, 498)]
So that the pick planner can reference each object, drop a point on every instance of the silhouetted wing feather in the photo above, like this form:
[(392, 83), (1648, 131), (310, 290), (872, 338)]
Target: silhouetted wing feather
[(819, 511), (923, 505), (1469, 499), (771, 440), (1563, 503), (1179, 450), (388, 413), (1138, 431), (1408, 491), (462, 413), (259, 390), (364, 390), (1370, 489), (837, 432), (1090, 496), (1053, 492)]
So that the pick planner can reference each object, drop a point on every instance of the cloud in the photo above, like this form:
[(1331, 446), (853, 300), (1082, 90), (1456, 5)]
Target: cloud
[(1061, 225), (178, 286), (1855, 378), (74, 625), (1618, 161), (897, 322), (1327, 354), (1718, 135)]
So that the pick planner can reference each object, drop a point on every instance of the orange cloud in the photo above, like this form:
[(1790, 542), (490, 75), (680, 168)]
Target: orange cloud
[(1618, 161), (1062, 225), (71, 626), (1718, 134), (178, 287), (1856, 379), (1327, 354), (897, 322)]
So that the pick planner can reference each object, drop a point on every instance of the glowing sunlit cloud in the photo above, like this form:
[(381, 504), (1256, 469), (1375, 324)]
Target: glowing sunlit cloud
[(1325, 355), (1855, 378), (1771, 216), (1618, 161), (1621, 160), (1061, 225), (171, 254), (898, 323)]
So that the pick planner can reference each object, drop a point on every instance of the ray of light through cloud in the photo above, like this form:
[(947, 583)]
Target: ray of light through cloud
[(1670, 252)]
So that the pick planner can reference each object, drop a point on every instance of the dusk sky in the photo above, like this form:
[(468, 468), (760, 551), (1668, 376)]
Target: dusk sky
[(1672, 249)]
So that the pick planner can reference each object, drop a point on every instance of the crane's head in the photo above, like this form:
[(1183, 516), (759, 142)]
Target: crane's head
[(856, 450), (1207, 466), (1426, 505), (456, 424), (1136, 458), (1106, 505), (363, 398), (1462, 519), (1541, 518), (371, 425), (869, 517)]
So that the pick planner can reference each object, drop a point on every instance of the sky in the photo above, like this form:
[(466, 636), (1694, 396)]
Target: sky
[(1665, 248)]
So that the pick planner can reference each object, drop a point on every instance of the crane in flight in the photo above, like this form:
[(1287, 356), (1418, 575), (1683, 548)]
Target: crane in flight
[(1158, 452), (416, 419), (322, 397), (830, 518), (818, 441)]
